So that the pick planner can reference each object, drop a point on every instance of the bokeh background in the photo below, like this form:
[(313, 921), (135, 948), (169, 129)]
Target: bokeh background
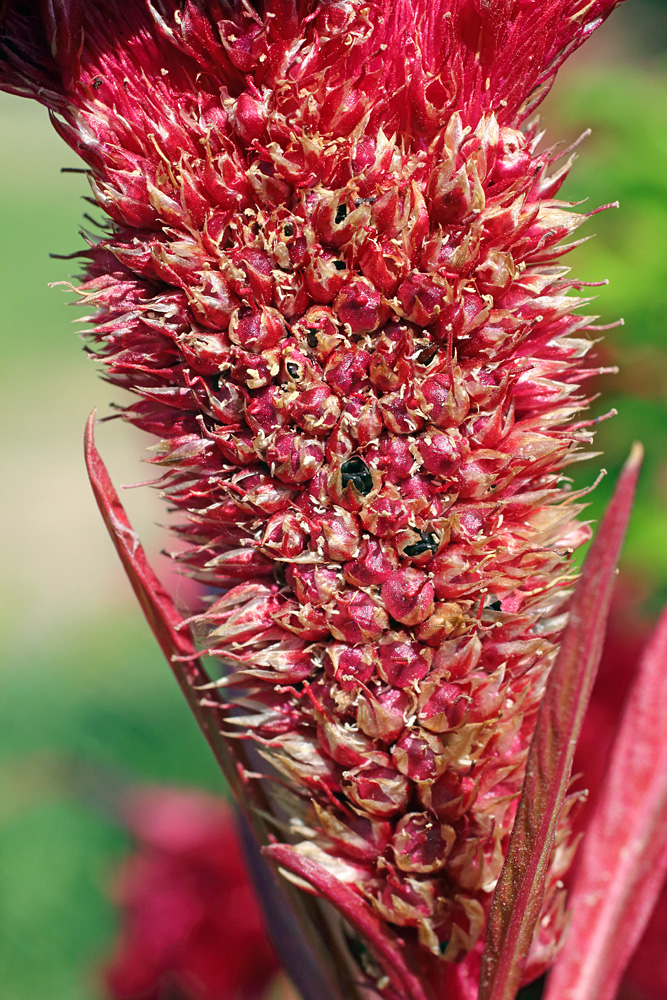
[(88, 705)]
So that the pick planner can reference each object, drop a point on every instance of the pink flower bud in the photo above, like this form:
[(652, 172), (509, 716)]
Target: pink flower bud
[(408, 596)]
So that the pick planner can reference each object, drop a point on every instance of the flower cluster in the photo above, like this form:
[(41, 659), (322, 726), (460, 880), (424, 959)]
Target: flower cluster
[(188, 917), (330, 279)]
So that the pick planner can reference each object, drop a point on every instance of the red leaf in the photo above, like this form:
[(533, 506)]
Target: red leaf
[(348, 902), (623, 860), (162, 615), (62, 20), (311, 978), (520, 890)]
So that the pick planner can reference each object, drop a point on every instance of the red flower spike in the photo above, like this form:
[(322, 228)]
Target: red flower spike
[(623, 861), (329, 279), (518, 898)]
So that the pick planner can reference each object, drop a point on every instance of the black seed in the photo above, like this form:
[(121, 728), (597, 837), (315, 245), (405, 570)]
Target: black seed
[(341, 213), (312, 336), (355, 471), (428, 355), (340, 265), (358, 949), (443, 947), (97, 83), (534, 991), (429, 543), (289, 229), (293, 369), (494, 606)]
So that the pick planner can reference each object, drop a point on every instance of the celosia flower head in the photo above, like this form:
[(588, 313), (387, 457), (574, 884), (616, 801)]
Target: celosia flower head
[(331, 280)]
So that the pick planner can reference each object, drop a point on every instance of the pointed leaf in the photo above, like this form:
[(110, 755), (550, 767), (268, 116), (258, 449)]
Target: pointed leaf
[(283, 927), (63, 22), (384, 944), (623, 860), (519, 894), (161, 613)]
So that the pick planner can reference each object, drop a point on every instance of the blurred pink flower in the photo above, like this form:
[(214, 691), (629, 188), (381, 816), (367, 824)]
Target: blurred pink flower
[(191, 926)]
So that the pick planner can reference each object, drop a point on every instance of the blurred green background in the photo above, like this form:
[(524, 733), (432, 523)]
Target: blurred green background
[(88, 704)]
